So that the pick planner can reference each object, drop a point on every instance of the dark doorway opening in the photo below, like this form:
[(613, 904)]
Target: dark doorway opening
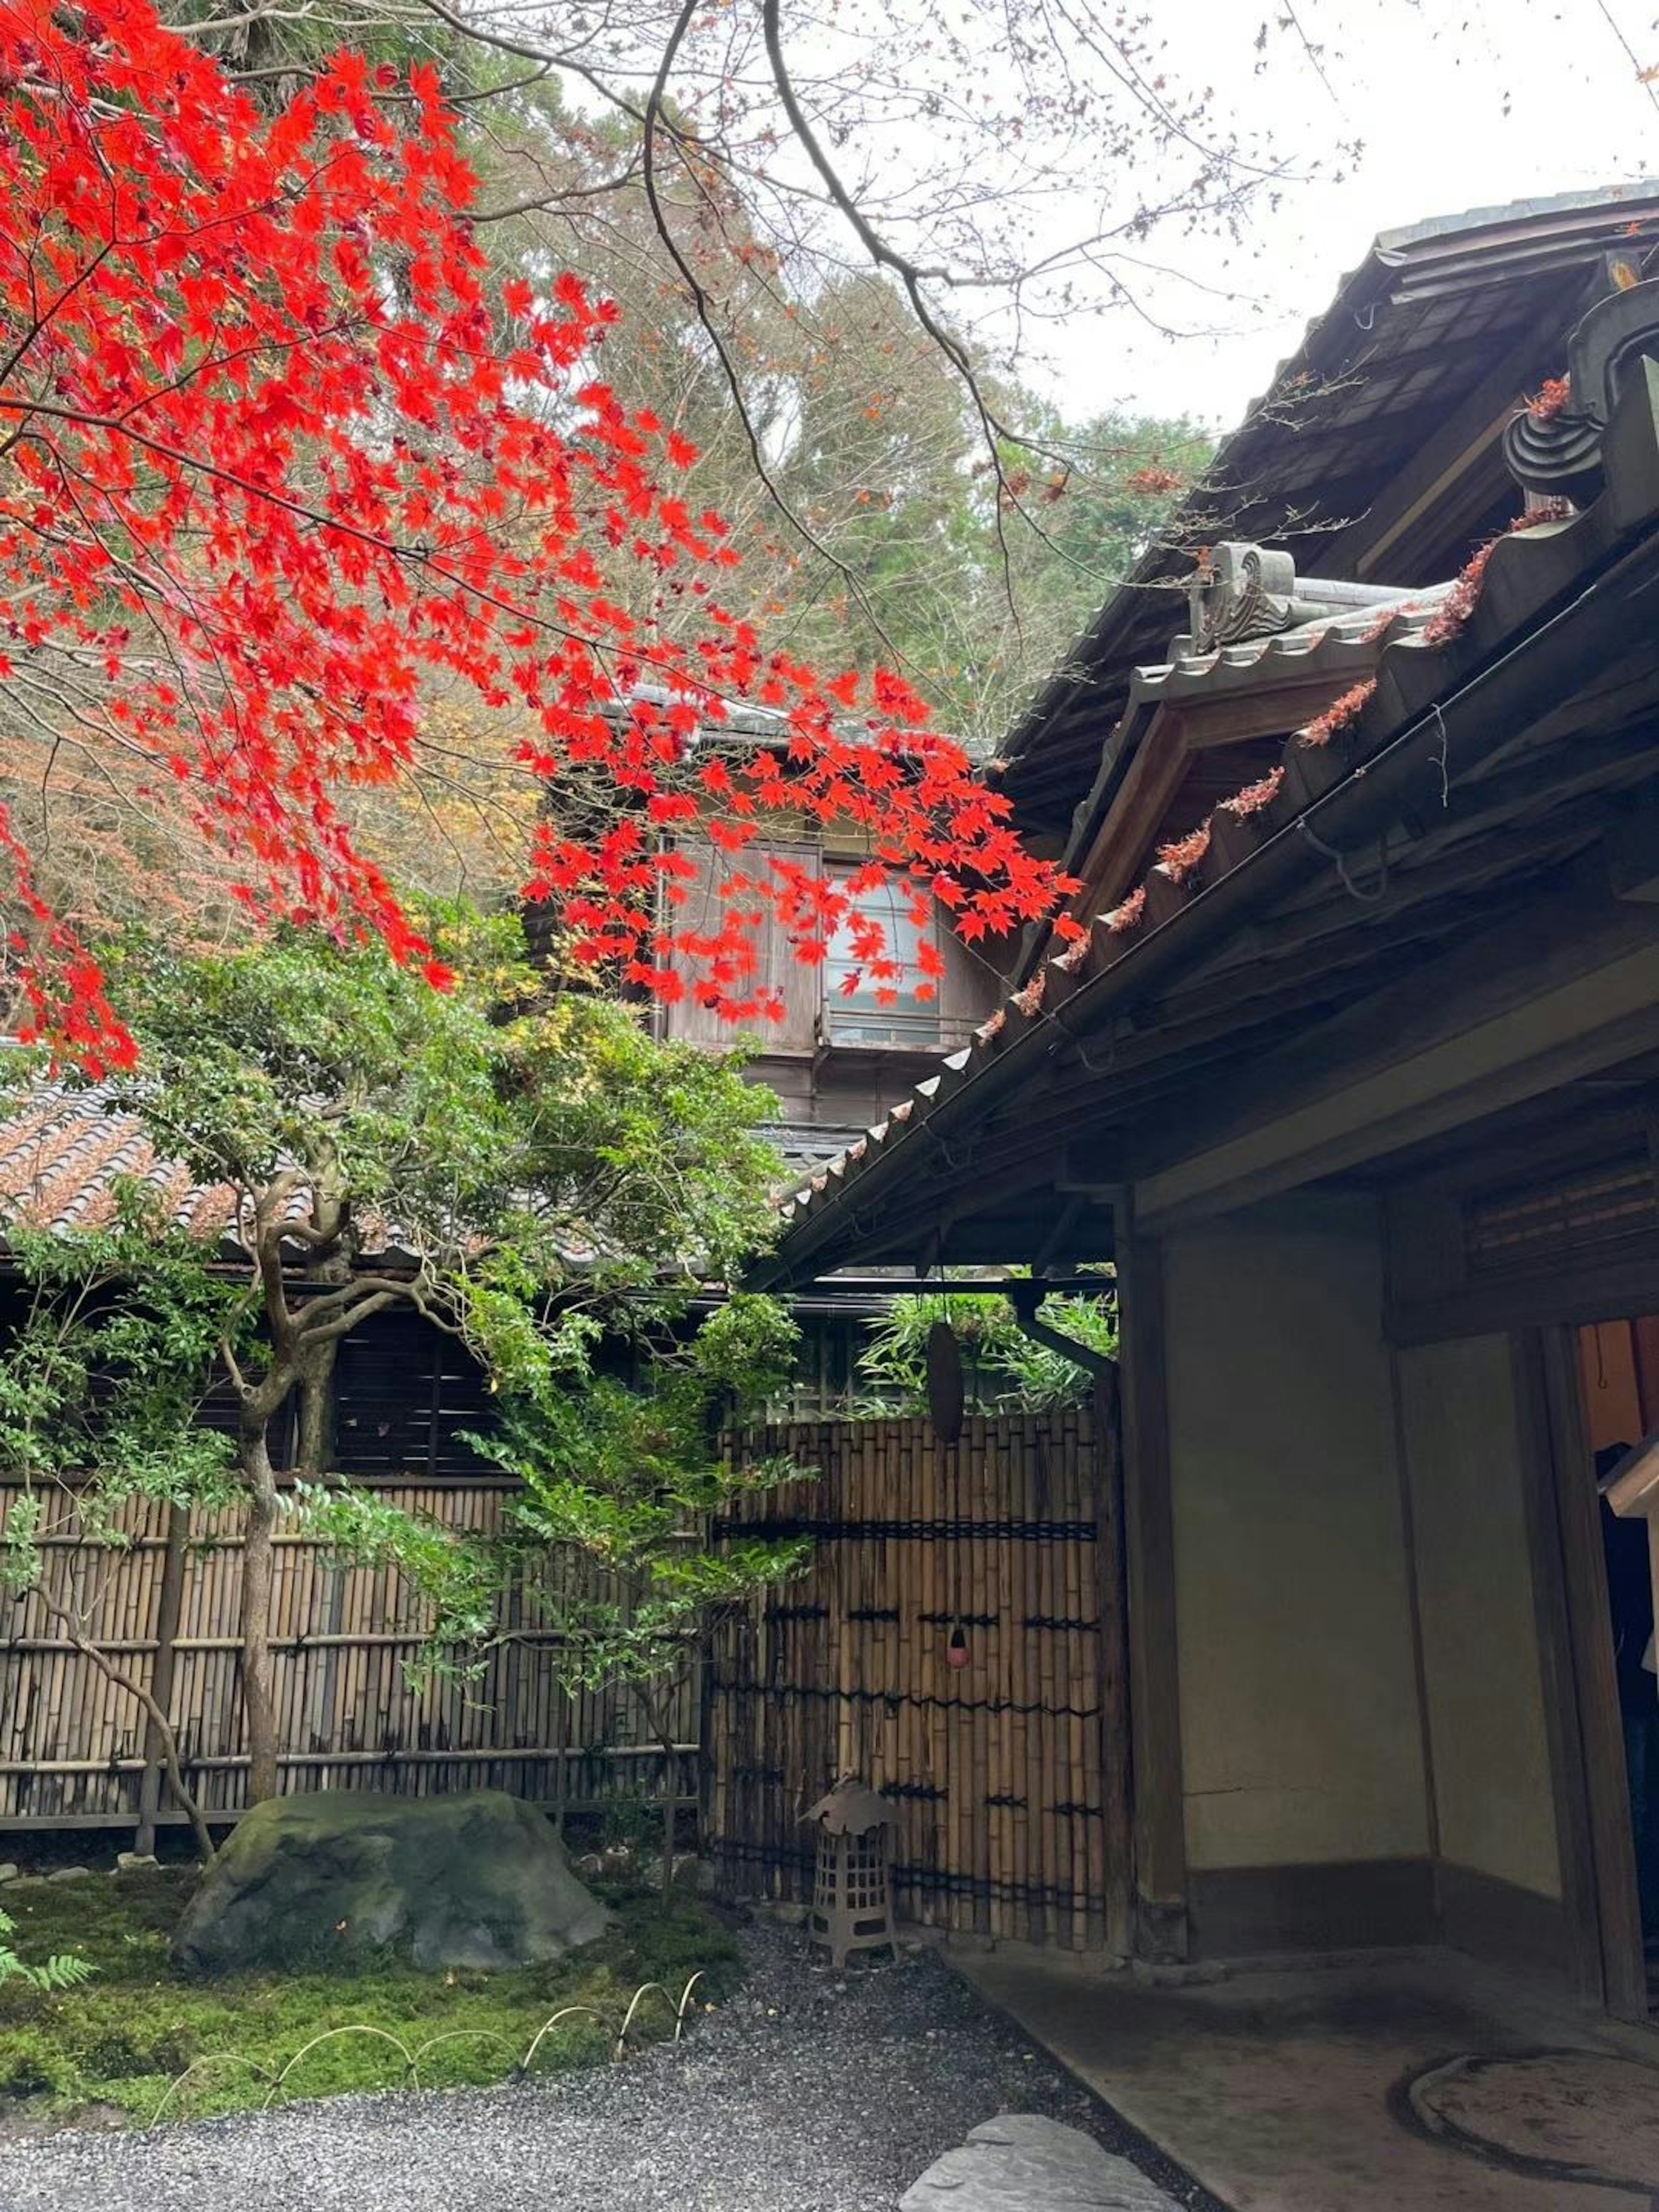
[(1620, 1367)]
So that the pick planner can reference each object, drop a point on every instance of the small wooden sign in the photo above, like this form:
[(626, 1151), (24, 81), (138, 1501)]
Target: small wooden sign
[(945, 1393)]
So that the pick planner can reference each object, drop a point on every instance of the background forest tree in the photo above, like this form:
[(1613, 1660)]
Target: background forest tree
[(872, 509), (284, 461), (837, 233)]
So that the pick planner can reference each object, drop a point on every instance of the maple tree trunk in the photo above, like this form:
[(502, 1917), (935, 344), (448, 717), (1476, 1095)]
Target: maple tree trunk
[(658, 1713), (314, 1447), (259, 1709)]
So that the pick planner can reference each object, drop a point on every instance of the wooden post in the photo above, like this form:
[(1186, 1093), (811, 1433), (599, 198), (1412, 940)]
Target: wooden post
[(1160, 1832), (170, 1599), (1110, 1608), (1581, 1706)]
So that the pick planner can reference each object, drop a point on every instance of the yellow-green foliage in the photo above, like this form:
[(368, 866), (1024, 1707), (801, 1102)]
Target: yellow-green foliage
[(122, 2037)]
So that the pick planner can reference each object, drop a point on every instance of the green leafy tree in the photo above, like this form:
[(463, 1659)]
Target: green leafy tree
[(622, 1475), (1006, 1370), (102, 1376), (522, 1164)]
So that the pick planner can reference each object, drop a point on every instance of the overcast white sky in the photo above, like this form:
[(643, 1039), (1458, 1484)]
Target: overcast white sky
[(1460, 103)]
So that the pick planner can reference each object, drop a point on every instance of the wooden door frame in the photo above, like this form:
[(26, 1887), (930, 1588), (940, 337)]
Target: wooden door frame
[(1581, 1696)]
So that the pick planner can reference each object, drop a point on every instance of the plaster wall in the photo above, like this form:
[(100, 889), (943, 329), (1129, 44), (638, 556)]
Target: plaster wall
[(1482, 1677), (1300, 1728)]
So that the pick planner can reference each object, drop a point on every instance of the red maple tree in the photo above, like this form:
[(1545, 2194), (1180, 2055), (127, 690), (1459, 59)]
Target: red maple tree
[(276, 458)]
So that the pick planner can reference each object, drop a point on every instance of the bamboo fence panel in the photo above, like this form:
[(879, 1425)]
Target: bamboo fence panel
[(1007, 1775), (72, 1744)]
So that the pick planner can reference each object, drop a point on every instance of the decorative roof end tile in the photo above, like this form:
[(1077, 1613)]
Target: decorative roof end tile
[(1554, 446)]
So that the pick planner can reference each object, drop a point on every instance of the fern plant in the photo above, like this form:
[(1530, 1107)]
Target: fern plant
[(65, 1970), (1005, 1371)]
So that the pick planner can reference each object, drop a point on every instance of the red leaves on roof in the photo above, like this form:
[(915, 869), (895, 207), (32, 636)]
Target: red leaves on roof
[(1339, 714), (1128, 913), (1255, 797), (1182, 855), (1459, 604), (279, 460), (1392, 610), (1550, 398)]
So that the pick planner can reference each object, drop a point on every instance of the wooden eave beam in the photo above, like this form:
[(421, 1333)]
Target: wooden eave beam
[(1585, 995), (1177, 730), (1611, 1111), (1326, 927), (1124, 1081), (1131, 1079), (1330, 964), (1332, 957), (1111, 1089), (1439, 866)]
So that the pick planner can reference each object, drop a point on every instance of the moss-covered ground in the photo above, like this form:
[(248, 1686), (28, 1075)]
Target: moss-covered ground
[(121, 2041)]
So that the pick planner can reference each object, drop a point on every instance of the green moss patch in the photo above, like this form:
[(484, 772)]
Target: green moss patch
[(125, 2038)]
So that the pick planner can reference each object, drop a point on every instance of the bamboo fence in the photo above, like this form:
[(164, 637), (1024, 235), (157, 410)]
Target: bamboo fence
[(1007, 1774), (73, 1750)]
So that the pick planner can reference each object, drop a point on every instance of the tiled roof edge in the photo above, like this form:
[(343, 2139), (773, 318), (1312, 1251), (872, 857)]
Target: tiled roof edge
[(1413, 669)]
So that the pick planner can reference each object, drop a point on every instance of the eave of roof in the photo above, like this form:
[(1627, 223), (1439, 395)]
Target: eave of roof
[(1533, 582), (1336, 645), (1448, 254), (1339, 650)]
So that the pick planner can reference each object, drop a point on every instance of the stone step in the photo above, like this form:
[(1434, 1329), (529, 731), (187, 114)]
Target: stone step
[(1022, 2162)]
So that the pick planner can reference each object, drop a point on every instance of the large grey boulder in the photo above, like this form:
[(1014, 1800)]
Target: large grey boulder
[(1022, 2162), (478, 1879)]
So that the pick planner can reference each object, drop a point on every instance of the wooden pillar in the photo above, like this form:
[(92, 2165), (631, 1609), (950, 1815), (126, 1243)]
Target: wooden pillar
[(1117, 1795), (1160, 1832), (1581, 1716), (168, 1602)]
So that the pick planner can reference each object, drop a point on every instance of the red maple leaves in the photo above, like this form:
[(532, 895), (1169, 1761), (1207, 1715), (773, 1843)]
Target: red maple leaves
[(275, 459)]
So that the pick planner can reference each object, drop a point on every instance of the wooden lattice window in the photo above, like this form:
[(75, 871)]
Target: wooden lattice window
[(1578, 1212), (404, 1394)]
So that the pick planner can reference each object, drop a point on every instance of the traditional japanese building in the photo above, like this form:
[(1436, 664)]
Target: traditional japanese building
[(1356, 1077)]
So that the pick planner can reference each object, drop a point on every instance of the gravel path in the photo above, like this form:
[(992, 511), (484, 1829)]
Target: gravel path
[(809, 2092)]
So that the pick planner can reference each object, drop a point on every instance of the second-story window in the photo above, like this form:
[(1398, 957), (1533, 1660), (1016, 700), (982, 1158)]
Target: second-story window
[(857, 1016)]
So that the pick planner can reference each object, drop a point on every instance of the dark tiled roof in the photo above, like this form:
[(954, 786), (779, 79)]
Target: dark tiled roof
[(63, 1152), (1413, 332), (806, 1145), (1524, 577), (1342, 650), (1338, 645)]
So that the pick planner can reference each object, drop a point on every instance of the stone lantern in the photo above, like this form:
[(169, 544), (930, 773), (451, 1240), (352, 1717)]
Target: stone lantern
[(851, 1907)]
